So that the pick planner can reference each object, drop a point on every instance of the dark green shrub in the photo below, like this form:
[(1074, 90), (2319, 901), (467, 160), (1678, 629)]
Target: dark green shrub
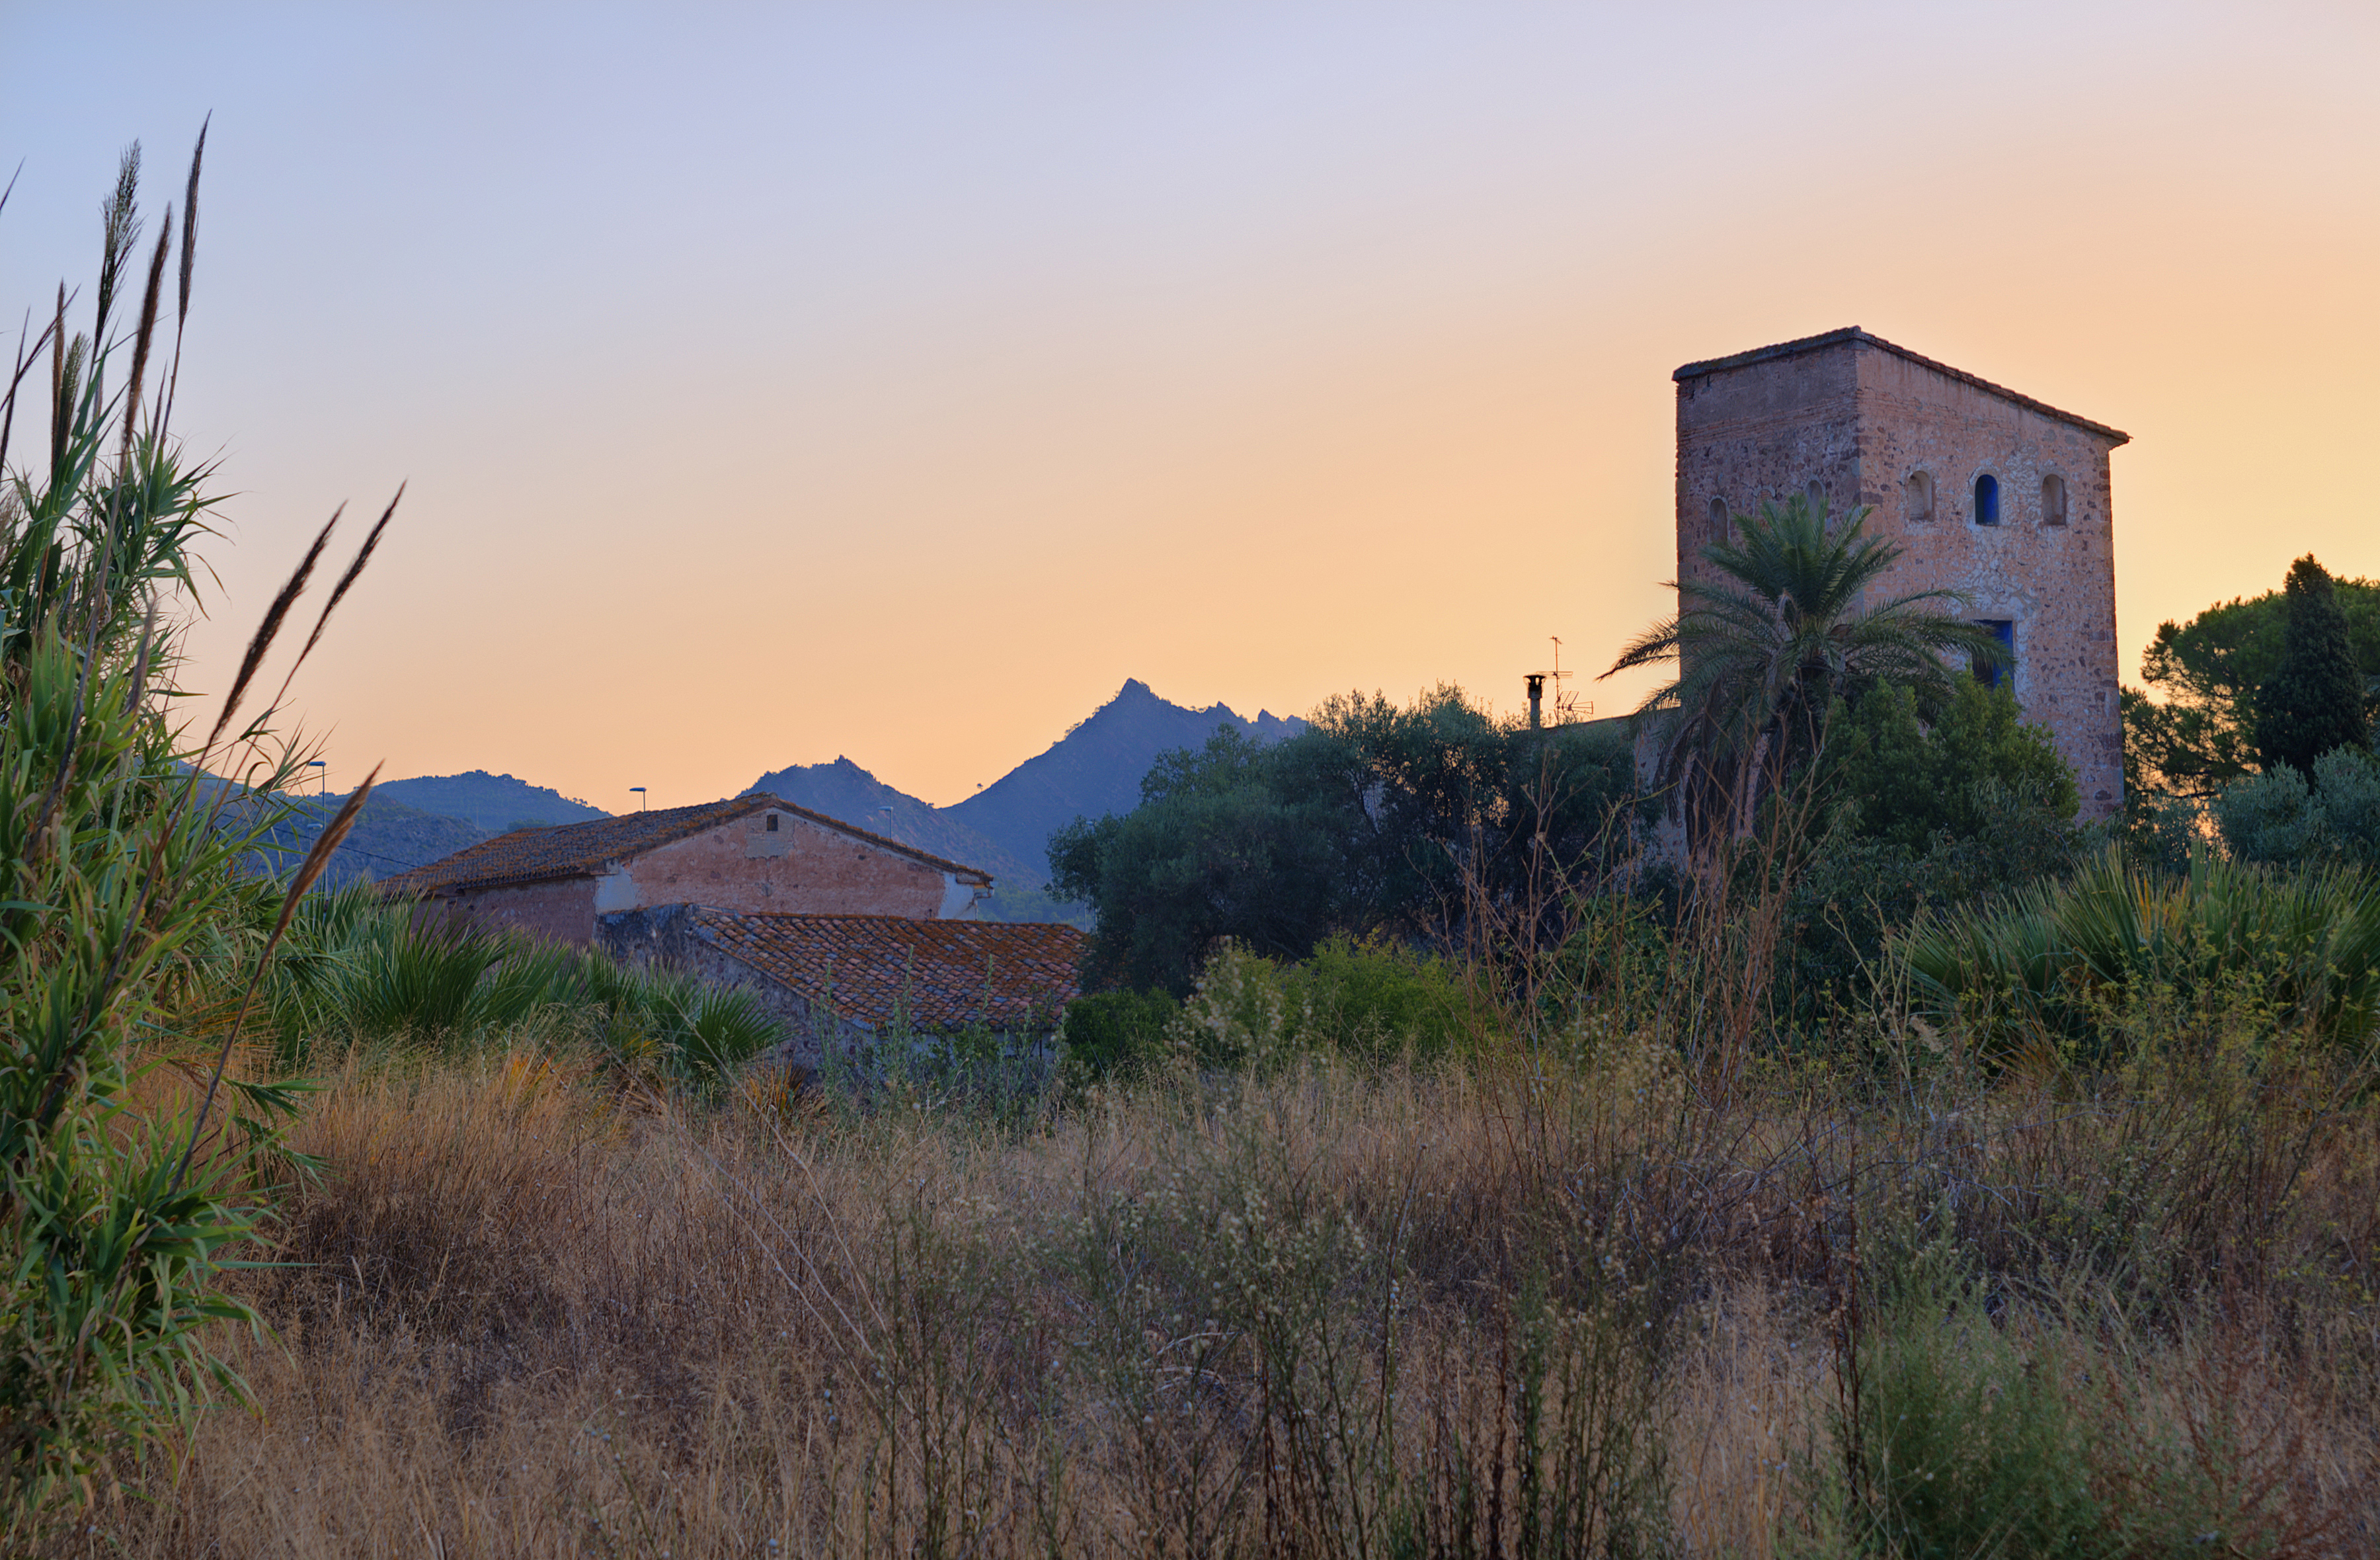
[(1856, 893), (1377, 1000), (694, 1033), (2065, 961), (1115, 1034), (1915, 783), (365, 969), (2286, 817), (1615, 947), (1926, 810), (1953, 1445), (1369, 1002)]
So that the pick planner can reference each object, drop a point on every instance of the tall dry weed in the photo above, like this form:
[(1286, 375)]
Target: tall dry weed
[(1488, 1310)]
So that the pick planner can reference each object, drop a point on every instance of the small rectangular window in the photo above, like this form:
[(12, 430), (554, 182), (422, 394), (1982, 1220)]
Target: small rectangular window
[(2004, 630), (772, 823)]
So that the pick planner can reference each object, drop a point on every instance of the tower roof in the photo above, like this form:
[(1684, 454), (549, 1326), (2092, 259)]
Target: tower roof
[(1852, 336)]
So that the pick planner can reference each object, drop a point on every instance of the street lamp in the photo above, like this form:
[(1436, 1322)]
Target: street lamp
[(322, 779), (638, 792)]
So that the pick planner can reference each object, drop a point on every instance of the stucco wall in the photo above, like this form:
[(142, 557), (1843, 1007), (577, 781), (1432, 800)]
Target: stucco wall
[(800, 868), (562, 910), (1859, 420)]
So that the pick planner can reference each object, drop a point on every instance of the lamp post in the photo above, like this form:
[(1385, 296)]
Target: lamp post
[(638, 792), (321, 768)]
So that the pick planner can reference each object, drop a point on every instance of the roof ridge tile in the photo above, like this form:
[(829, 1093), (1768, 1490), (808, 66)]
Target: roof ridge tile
[(587, 850)]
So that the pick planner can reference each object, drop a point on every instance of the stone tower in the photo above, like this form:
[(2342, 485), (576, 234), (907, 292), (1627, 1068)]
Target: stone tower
[(1986, 492)]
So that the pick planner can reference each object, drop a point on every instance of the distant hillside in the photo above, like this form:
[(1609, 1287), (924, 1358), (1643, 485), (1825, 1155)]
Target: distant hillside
[(494, 802), (388, 837), (844, 790), (1096, 769)]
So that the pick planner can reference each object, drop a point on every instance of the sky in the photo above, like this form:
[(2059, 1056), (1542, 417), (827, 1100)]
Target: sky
[(775, 382)]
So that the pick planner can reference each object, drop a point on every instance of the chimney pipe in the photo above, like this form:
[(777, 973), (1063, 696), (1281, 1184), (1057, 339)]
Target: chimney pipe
[(1537, 700)]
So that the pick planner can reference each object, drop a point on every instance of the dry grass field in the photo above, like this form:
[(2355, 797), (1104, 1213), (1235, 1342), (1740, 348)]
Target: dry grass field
[(1584, 1308)]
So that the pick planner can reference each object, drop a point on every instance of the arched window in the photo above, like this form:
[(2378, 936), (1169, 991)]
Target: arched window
[(1918, 495), (1816, 495), (1719, 519), (1987, 500), (2053, 501)]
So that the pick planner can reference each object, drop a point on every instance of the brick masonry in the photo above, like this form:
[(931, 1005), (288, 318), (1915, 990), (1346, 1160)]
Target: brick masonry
[(561, 910), (1856, 420), (771, 860), (798, 866)]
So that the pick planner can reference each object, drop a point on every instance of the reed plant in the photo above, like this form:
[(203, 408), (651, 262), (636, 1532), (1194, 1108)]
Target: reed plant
[(119, 1224)]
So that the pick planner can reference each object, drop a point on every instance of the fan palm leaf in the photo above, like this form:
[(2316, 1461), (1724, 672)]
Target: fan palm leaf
[(1780, 631)]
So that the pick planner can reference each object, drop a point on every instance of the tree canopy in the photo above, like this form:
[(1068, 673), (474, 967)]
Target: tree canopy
[(1379, 818), (2313, 702), (1912, 782), (2192, 730)]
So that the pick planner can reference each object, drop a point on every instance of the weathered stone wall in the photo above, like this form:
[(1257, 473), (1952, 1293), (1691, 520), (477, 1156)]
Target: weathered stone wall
[(562, 909), (800, 868), (1858, 420)]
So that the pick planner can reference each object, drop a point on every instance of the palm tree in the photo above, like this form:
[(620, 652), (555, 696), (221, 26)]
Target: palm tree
[(1765, 649)]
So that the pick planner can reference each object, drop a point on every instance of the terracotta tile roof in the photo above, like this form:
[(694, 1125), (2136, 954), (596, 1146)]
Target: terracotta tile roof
[(589, 849), (1852, 334), (928, 974)]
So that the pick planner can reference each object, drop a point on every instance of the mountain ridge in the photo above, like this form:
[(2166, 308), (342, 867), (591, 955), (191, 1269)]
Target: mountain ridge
[(1096, 768), (1093, 769)]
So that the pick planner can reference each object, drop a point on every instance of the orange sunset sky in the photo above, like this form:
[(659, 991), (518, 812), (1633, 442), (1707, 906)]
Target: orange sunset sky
[(782, 382)]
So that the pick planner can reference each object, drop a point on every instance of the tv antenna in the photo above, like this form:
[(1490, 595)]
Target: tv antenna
[(1569, 709)]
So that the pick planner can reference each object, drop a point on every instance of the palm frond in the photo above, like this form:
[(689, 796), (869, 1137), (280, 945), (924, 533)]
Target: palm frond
[(1777, 630)]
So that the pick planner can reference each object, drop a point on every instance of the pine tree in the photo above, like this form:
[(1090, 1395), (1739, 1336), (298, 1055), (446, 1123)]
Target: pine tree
[(2314, 702)]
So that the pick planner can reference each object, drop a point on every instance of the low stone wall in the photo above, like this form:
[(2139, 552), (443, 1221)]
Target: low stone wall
[(667, 935)]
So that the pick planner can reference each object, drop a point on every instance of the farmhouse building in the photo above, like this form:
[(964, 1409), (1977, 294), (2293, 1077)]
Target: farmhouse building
[(858, 976), (1988, 493), (755, 853)]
